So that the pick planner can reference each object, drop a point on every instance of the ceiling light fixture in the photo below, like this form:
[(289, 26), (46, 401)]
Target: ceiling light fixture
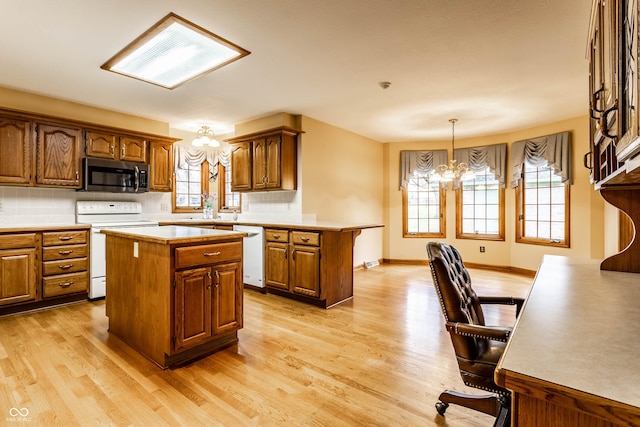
[(205, 137), (451, 172), (172, 52)]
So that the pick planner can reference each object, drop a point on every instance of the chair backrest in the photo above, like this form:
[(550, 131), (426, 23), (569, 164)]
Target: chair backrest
[(458, 300)]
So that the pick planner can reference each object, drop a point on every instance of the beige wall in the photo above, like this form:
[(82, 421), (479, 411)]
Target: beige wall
[(342, 181), (586, 208), (32, 103)]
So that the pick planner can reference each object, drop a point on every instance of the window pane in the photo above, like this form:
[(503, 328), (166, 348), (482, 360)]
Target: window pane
[(480, 201), (423, 206), (188, 187)]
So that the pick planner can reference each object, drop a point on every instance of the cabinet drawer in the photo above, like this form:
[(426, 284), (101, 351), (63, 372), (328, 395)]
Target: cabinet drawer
[(64, 252), (64, 238), (64, 266), (305, 238), (208, 254), (63, 284), (276, 235), (15, 241)]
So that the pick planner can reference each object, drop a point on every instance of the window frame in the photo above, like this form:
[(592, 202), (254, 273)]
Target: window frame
[(443, 217), (204, 188), (521, 219), (499, 237), (222, 192)]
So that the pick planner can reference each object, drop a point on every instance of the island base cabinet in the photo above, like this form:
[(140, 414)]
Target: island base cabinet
[(187, 299)]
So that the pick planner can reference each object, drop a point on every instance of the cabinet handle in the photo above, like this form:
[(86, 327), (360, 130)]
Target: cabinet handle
[(210, 280), (276, 236), (304, 239), (77, 176), (211, 253), (112, 149), (122, 151), (604, 121), (217, 279), (587, 160), (65, 238), (65, 284), (594, 103), (293, 254), (65, 267), (65, 252)]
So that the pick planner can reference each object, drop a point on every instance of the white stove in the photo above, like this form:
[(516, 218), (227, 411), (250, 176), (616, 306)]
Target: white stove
[(101, 215)]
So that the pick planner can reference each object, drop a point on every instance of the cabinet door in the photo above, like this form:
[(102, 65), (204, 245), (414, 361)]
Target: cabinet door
[(305, 270), (277, 265), (273, 162), (192, 307), (260, 153), (15, 151), (101, 144), (58, 155), (241, 166), (17, 275), (161, 166), (133, 149), (227, 298)]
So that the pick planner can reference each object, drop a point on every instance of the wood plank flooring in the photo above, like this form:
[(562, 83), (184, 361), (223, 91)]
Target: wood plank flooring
[(381, 359)]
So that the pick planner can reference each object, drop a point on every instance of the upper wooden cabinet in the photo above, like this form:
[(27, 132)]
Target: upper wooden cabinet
[(117, 147), (161, 166), (16, 158), (614, 90), (265, 160), (58, 155)]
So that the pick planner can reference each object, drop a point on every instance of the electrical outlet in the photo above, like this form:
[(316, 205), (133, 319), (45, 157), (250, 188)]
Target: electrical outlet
[(164, 206), (482, 249)]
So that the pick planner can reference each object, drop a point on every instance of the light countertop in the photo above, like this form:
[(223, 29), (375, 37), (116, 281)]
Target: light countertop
[(302, 225), (173, 234), (578, 330), (20, 228)]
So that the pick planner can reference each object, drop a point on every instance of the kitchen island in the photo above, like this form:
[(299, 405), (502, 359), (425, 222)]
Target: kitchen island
[(174, 293), (307, 261)]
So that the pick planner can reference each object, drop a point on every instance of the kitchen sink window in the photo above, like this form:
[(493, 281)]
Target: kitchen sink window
[(191, 183), (227, 200)]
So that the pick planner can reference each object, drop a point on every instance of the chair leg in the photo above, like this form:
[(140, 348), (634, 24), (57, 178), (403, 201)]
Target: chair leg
[(487, 403)]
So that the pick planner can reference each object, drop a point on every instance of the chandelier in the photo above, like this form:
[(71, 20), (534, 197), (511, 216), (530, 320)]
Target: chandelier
[(205, 137), (451, 172)]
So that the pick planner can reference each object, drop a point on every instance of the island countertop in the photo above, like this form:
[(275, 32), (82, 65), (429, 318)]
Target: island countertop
[(173, 234), (300, 225)]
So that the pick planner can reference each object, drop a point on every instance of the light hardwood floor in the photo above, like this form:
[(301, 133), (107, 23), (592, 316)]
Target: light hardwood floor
[(381, 359)]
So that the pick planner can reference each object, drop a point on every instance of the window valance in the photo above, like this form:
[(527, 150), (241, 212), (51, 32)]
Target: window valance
[(193, 156), (419, 161), (552, 150), (479, 158)]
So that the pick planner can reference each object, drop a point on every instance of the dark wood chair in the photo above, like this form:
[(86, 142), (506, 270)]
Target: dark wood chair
[(477, 347)]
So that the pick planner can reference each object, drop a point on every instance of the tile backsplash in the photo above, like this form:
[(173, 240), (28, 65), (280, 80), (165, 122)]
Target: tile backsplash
[(36, 206)]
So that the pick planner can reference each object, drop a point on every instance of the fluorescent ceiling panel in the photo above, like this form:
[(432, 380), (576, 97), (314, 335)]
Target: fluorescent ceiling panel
[(173, 52)]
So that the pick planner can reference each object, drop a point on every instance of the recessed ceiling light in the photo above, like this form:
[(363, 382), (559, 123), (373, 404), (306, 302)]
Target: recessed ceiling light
[(172, 52)]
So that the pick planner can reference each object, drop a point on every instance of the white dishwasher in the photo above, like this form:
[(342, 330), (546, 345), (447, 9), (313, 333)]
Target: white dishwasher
[(253, 254)]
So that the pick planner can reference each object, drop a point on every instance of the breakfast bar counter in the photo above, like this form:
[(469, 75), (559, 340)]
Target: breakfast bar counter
[(174, 293), (573, 356)]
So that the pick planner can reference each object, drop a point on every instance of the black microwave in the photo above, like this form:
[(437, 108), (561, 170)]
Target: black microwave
[(114, 176)]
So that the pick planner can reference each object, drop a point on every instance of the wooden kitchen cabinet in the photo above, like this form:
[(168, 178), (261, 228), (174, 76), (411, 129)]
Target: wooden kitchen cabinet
[(16, 158), (65, 263), (107, 145), (161, 166), (265, 160), (58, 155), (188, 297), (18, 268), (241, 166), (292, 261)]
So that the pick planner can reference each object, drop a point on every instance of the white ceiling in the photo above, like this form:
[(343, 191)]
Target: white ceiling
[(496, 65)]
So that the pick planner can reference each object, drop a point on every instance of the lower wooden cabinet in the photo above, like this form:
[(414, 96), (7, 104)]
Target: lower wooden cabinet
[(312, 266), (43, 268), (18, 269), (187, 299)]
